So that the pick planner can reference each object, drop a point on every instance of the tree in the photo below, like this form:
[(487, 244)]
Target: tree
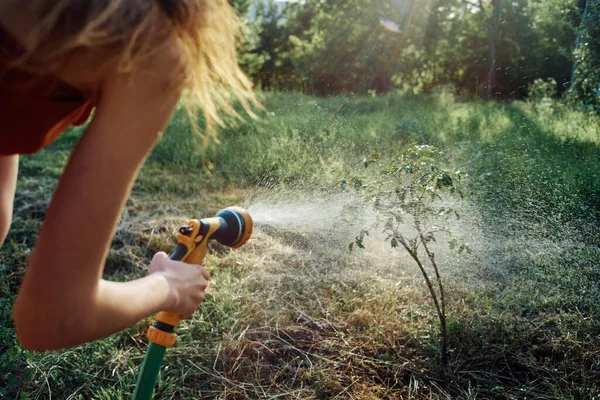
[(410, 194), (493, 47), (345, 49), (585, 82), (267, 51), (241, 6), (493, 23)]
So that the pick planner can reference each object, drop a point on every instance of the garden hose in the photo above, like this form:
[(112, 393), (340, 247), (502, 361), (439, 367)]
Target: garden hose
[(231, 227)]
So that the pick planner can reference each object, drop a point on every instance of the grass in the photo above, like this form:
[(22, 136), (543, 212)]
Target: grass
[(292, 317)]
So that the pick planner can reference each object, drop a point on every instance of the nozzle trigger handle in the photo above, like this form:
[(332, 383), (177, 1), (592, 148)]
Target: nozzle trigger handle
[(191, 249), (164, 316)]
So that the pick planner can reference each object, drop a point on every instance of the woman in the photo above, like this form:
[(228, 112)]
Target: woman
[(131, 60)]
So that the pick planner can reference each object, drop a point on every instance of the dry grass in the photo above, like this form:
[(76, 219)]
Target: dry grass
[(296, 318)]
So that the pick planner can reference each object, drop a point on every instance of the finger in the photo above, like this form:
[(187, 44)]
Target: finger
[(205, 273), (203, 285), (161, 255), (190, 313), (157, 263)]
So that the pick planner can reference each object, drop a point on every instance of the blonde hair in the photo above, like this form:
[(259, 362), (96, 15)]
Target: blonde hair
[(122, 33)]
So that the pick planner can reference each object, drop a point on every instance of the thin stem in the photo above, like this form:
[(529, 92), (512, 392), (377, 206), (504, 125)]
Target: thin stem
[(442, 316), (415, 257), (431, 256)]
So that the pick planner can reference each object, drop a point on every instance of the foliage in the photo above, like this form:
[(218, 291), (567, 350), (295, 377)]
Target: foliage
[(267, 51), (242, 7), (331, 47), (586, 74), (408, 194), (542, 89), (541, 93)]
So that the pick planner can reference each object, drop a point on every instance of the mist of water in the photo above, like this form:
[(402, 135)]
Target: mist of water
[(328, 223), (310, 212)]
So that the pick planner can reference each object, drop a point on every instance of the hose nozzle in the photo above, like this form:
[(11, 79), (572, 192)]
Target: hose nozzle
[(232, 227), (235, 228)]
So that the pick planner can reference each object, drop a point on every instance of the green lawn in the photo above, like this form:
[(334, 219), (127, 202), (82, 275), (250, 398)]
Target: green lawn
[(294, 314)]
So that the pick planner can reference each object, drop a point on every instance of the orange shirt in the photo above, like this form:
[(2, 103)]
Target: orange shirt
[(34, 110)]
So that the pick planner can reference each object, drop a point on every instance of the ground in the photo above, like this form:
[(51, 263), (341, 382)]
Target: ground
[(294, 314)]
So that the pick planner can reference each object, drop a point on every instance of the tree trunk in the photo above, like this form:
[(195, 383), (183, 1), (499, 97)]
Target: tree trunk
[(430, 40), (578, 42), (493, 23)]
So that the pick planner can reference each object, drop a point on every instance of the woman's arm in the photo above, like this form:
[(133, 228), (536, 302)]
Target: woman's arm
[(63, 301)]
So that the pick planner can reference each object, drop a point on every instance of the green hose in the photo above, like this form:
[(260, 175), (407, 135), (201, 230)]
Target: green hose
[(155, 353), (149, 372)]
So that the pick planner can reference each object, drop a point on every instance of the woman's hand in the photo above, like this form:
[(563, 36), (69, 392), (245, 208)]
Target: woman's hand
[(187, 283)]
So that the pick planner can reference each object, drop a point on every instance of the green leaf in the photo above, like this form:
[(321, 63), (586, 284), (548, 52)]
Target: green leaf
[(452, 244), (429, 237), (412, 244), (398, 216), (360, 238), (444, 181), (389, 224), (12, 380), (374, 157)]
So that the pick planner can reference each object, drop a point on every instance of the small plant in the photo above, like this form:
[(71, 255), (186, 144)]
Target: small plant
[(542, 89), (541, 93), (411, 196)]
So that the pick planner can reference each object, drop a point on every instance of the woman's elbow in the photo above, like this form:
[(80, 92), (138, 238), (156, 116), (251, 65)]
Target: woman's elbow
[(41, 325), (32, 328), (29, 331)]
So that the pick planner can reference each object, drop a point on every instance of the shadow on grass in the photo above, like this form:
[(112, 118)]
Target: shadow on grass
[(528, 178)]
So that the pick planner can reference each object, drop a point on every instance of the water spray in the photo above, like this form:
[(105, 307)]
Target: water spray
[(231, 227)]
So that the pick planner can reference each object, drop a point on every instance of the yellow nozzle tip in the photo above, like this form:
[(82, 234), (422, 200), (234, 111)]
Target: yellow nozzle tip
[(248, 225)]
